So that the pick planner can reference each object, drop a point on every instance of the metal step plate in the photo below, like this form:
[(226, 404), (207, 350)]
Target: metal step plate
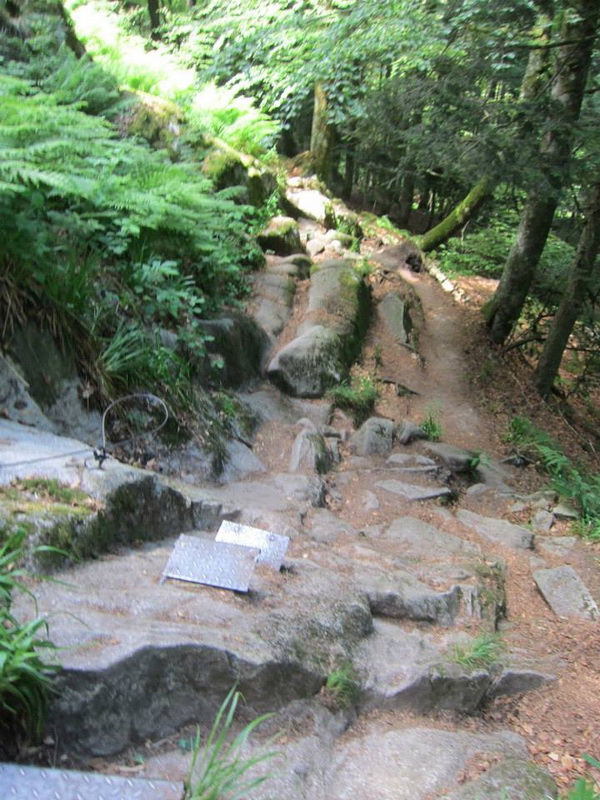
[(32, 783), (272, 546), (227, 566)]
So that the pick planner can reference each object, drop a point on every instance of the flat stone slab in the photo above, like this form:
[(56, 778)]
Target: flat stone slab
[(411, 492), (499, 531), (512, 779), (408, 764), (26, 783), (421, 540), (565, 593)]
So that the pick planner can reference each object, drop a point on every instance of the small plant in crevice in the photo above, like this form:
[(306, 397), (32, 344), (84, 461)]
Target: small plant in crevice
[(432, 426), (341, 689), (358, 396), (480, 652), (220, 765)]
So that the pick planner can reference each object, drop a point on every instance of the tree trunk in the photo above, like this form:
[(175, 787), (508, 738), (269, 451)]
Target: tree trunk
[(573, 299), (570, 74), (321, 137), (407, 193), (458, 216), (154, 14)]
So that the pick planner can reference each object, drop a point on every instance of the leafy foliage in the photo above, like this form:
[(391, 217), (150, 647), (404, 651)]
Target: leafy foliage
[(359, 396), (219, 765), (569, 481), (25, 678), (98, 226)]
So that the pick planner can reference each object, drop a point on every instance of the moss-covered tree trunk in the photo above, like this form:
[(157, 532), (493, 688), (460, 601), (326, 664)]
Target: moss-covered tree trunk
[(458, 216), (322, 136), (569, 79), (574, 297)]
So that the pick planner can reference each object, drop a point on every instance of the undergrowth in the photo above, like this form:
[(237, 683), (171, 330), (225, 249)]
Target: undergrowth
[(25, 677), (220, 764), (357, 396), (480, 652), (571, 483)]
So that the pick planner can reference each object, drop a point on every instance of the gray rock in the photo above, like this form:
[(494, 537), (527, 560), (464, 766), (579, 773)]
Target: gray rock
[(327, 528), (397, 764), (405, 254), (421, 540), (280, 288), (394, 312), (337, 290), (15, 401), (404, 670), (370, 501), (556, 545), (310, 451), (411, 492), (271, 317), (281, 236), (455, 458), (399, 595), (373, 436), (408, 432), (240, 461), (315, 246), (240, 343), (409, 460), (498, 530), (565, 593), (511, 779), (563, 511), (297, 265), (309, 364), (543, 521), (516, 681)]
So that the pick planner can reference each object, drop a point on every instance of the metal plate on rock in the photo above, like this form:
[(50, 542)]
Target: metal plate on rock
[(32, 783), (272, 546), (227, 566)]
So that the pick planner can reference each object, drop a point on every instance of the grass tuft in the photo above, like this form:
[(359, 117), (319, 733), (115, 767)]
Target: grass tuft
[(219, 768)]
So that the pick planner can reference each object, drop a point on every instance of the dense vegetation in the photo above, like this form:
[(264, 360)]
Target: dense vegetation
[(407, 107)]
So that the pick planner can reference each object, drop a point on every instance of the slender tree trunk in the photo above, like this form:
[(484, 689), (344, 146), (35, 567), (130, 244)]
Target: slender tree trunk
[(458, 216), (570, 75), (154, 14), (573, 299), (349, 170), (322, 136), (407, 194)]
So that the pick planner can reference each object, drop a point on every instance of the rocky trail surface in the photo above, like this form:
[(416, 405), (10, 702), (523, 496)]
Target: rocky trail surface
[(404, 556)]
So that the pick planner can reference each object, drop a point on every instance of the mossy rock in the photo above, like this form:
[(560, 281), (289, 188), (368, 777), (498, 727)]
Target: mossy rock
[(281, 236), (156, 120)]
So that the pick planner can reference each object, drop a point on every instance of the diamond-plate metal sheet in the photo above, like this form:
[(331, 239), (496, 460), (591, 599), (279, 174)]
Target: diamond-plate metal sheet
[(228, 566), (31, 783), (272, 546)]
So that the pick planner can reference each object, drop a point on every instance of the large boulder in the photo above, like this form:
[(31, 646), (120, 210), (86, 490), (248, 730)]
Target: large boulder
[(330, 336), (309, 364)]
